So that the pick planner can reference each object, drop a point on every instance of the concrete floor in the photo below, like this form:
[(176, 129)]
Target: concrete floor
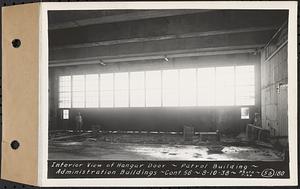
[(102, 150)]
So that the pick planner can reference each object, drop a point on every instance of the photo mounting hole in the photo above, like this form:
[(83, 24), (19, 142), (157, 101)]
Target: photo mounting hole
[(15, 145), (16, 43)]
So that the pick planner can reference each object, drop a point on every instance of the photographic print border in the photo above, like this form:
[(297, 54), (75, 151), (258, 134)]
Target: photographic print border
[(292, 96)]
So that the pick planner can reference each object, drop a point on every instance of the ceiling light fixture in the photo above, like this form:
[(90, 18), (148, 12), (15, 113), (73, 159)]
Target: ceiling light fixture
[(166, 58), (101, 62)]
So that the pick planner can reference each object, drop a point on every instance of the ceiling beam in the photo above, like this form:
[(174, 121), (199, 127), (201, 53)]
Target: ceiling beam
[(167, 27), (167, 37), (184, 44), (157, 56), (134, 15)]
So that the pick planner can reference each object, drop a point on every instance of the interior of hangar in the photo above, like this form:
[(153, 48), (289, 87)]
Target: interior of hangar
[(168, 79)]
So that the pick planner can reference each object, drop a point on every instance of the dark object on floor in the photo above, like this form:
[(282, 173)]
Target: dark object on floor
[(286, 155), (210, 136), (218, 135), (96, 130), (254, 133), (215, 149), (188, 133), (67, 146), (71, 137)]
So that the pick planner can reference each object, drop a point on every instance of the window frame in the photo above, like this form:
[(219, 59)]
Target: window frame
[(162, 88)]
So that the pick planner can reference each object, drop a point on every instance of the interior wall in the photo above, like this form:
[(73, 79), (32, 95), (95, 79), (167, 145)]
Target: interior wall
[(226, 119), (274, 77)]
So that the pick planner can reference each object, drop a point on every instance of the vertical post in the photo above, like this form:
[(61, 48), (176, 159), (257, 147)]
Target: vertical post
[(145, 92), (161, 88), (128, 89), (114, 90), (197, 88)]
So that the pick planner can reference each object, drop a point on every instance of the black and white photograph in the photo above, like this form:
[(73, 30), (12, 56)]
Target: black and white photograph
[(185, 84), (150, 94), (168, 91)]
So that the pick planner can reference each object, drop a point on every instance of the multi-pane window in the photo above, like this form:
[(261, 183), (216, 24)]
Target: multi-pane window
[(107, 90), (78, 90), (121, 89), (212, 86), (153, 88), (65, 92), (137, 89), (92, 89)]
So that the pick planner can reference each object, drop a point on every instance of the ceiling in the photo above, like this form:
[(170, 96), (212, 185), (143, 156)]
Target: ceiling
[(84, 37)]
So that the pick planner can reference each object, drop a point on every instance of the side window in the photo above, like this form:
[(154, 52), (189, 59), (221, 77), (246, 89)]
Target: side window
[(245, 113), (65, 114)]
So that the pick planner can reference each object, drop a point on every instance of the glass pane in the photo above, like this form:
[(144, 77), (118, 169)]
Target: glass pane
[(137, 89), (64, 83), (106, 82), (91, 82), (78, 91), (245, 85), (121, 90), (92, 91), (106, 90), (153, 98), (170, 87), (245, 95), (78, 99), (137, 98), (225, 86), (121, 98), (78, 83), (244, 75), (153, 80), (65, 79), (137, 80), (106, 99), (187, 87), (206, 87), (92, 99), (65, 100), (64, 92), (153, 88), (121, 81)]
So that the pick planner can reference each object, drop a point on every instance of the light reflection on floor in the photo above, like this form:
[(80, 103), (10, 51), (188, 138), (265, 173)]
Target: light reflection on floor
[(191, 152), (100, 150)]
